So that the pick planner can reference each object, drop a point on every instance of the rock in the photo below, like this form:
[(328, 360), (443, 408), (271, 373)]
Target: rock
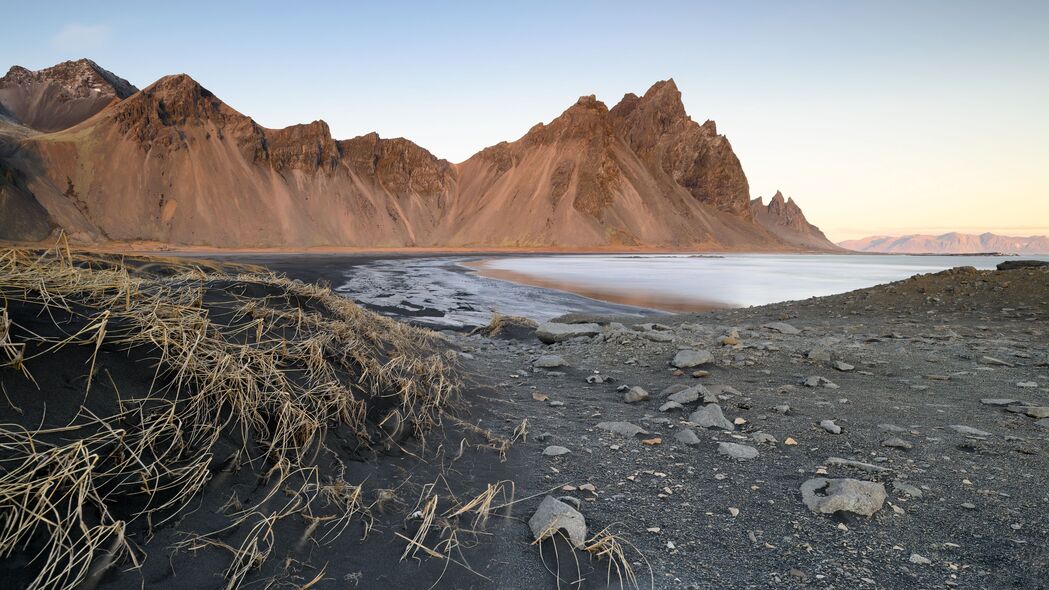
[(549, 361), (571, 501), (1016, 264), (686, 359), (1027, 384), (857, 465), (729, 340), (896, 443), (919, 560), (901, 487), (554, 515), (968, 430), (634, 395), (622, 428), (658, 336), (782, 328), (891, 428), (689, 394), (990, 360), (672, 389), (737, 451), (551, 332), (843, 366), (816, 381), (555, 451), (670, 405), (827, 496), (1036, 412), (821, 355), (686, 436), (968, 505), (1044, 423), (999, 401), (782, 409), (763, 438), (710, 416), (596, 379), (830, 426)]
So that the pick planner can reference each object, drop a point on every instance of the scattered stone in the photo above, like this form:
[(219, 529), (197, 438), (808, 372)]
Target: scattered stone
[(554, 515), (549, 361), (635, 394), (891, 428), (670, 405), (1027, 384), (901, 487), (843, 366), (919, 560), (816, 381), (827, 496), (763, 438), (737, 451), (821, 355), (990, 360), (555, 451), (597, 379), (782, 409), (896, 443), (790, 442), (551, 332), (729, 340), (999, 401), (782, 328), (687, 359), (689, 394), (652, 441), (857, 465), (968, 430), (658, 336), (686, 436), (1036, 412), (830, 426), (968, 505), (700, 374), (622, 428), (711, 416)]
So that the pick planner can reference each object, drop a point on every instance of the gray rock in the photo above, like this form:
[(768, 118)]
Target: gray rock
[(843, 366), (1027, 384), (554, 515), (686, 436), (551, 332), (596, 379), (896, 443), (658, 336), (830, 426), (782, 409), (689, 394), (710, 416), (857, 465), (827, 496), (821, 355), (1036, 412), (816, 381), (672, 389), (990, 360), (635, 394), (622, 428), (968, 430), (571, 501), (670, 405), (999, 401), (555, 451), (901, 487), (891, 428), (549, 361), (763, 438), (737, 451), (686, 359), (919, 560), (782, 328)]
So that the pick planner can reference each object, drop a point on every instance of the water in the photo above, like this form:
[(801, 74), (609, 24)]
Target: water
[(690, 282)]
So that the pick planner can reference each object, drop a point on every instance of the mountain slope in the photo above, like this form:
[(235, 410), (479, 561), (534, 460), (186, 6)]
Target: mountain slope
[(950, 243), (174, 164), (60, 96), (785, 219)]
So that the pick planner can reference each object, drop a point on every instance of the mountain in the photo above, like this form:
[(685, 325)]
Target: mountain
[(173, 164), (60, 96), (950, 243), (785, 219)]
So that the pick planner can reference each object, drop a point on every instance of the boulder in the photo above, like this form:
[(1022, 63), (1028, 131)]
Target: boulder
[(827, 496), (554, 515)]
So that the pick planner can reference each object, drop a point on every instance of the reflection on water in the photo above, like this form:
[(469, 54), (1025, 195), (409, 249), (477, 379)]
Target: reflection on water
[(699, 283)]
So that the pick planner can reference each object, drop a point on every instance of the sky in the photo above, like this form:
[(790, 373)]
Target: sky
[(879, 117)]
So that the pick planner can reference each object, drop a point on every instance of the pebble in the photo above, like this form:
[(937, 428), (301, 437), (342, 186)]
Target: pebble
[(919, 560), (843, 366), (896, 443), (549, 361), (555, 451), (998, 401), (670, 405), (686, 436), (782, 328), (687, 359), (968, 430), (635, 394), (830, 426), (711, 416), (1027, 384)]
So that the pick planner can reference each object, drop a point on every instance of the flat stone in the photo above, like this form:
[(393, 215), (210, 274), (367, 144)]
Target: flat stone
[(968, 430), (597, 379), (686, 436), (891, 428), (554, 515), (827, 496), (686, 359), (658, 336), (901, 487), (689, 394), (555, 451), (549, 361), (763, 438), (737, 451), (710, 416), (672, 389), (821, 355), (1036, 412), (1027, 384), (999, 401), (782, 328), (635, 394), (990, 360), (830, 426), (918, 559), (670, 405), (896, 443), (551, 332), (843, 366), (622, 428)]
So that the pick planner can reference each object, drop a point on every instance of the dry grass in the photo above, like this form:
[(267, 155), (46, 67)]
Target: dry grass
[(276, 374)]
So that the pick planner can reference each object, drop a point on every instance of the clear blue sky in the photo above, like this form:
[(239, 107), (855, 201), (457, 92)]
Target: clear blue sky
[(876, 116)]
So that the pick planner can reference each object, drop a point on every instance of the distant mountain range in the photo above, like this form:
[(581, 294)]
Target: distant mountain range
[(950, 243), (84, 151)]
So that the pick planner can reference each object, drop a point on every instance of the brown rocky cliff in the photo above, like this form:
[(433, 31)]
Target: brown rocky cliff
[(784, 218)]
